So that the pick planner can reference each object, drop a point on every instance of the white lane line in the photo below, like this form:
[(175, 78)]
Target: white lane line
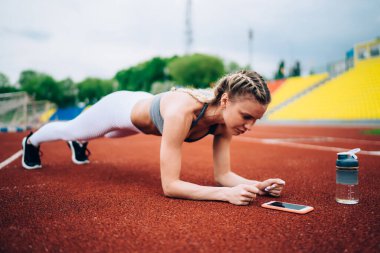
[(356, 141), (322, 138), (326, 139), (11, 159), (301, 145)]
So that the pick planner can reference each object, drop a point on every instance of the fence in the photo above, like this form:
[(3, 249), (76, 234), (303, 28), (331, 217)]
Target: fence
[(19, 110)]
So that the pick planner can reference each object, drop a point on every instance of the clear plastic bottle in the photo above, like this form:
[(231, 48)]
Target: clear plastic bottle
[(347, 177)]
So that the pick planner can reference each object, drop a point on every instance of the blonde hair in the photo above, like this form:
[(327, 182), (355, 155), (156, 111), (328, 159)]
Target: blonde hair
[(241, 83), (202, 95)]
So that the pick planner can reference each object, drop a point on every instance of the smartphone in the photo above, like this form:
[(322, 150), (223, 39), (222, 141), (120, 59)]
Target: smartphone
[(288, 207)]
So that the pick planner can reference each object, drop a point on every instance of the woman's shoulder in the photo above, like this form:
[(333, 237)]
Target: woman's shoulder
[(179, 102)]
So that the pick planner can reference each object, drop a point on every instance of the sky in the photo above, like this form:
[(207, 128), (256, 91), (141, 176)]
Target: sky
[(97, 38)]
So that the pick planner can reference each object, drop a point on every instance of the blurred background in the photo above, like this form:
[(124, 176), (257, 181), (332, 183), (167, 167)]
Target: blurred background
[(321, 59)]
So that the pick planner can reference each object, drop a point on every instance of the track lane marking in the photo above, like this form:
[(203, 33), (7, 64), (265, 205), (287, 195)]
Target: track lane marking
[(301, 145), (11, 159), (327, 138), (289, 142)]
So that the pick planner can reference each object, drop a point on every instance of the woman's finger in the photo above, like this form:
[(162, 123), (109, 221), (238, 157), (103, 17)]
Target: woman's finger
[(253, 189), (275, 191), (245, 199), (248, 194), (268, 188), (274, 181), (279, 188)]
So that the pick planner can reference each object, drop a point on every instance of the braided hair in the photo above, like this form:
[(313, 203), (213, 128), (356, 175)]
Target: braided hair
[(241, 83)]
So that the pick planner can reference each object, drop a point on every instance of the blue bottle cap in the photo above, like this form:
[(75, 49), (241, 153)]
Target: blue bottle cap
[(348, 159)]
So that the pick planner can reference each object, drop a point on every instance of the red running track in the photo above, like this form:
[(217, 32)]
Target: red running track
[(116, 204)]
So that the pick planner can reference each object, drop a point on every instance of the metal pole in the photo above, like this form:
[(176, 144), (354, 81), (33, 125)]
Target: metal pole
[(188, 29), (250, 48)]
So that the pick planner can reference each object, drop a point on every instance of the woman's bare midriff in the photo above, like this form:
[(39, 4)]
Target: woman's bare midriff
[(140, 117)]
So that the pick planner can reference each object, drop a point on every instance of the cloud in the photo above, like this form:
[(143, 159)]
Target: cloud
[(98, 38), (26, 33)]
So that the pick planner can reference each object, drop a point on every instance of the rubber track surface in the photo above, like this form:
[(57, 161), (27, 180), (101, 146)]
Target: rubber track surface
[(116, 204)]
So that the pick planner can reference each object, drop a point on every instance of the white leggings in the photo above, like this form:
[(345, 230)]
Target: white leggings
[(110, 117)]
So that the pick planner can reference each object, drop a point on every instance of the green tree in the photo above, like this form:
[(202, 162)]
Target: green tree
[(30, 82), (295, 70), (40, 86), (280, 74), (91, 90), (5, 85), (198, 70), (4, 81), (143, 75), (68, 94), (43, 87), (232, 67)]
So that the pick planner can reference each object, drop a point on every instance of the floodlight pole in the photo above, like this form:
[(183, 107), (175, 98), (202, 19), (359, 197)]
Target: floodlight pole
[(250, 47), (188, 29)]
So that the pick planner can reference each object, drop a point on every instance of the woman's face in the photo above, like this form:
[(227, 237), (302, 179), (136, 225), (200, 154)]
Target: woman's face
[(241, 114)]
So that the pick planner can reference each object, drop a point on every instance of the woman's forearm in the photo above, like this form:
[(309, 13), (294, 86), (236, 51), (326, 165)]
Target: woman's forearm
[(186, 190), (232, 179)]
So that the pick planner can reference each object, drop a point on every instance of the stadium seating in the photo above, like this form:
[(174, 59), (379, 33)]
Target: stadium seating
[(274, 85), (66, 113), (354, 95), (46, 115), (292, 86)]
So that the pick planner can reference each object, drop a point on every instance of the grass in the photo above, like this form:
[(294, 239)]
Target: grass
[(372, 131)]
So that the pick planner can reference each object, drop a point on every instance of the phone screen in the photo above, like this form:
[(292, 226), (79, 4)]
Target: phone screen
[(287, 205)]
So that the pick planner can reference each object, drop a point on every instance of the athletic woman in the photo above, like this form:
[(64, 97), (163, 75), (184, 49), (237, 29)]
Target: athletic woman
[(179, 115)]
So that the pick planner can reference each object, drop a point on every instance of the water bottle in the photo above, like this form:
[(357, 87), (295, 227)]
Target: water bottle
[(347, 180)]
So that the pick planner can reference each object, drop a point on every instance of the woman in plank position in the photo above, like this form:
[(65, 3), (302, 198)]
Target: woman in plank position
[(180, 115)]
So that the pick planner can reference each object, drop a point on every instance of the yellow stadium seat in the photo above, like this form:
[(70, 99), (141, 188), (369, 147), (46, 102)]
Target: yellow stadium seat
[(292, 86), (46, 115), (354, 95)]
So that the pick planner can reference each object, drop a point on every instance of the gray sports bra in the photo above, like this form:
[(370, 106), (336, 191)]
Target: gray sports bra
[(158, 121)]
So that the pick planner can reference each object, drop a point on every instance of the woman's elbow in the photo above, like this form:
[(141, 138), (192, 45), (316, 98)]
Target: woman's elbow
[(167, 194), (172, 189), (168, 190), (218, 179)]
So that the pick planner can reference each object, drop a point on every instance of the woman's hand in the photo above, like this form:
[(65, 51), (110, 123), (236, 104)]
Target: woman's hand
[(242, 194), (273, 186)]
